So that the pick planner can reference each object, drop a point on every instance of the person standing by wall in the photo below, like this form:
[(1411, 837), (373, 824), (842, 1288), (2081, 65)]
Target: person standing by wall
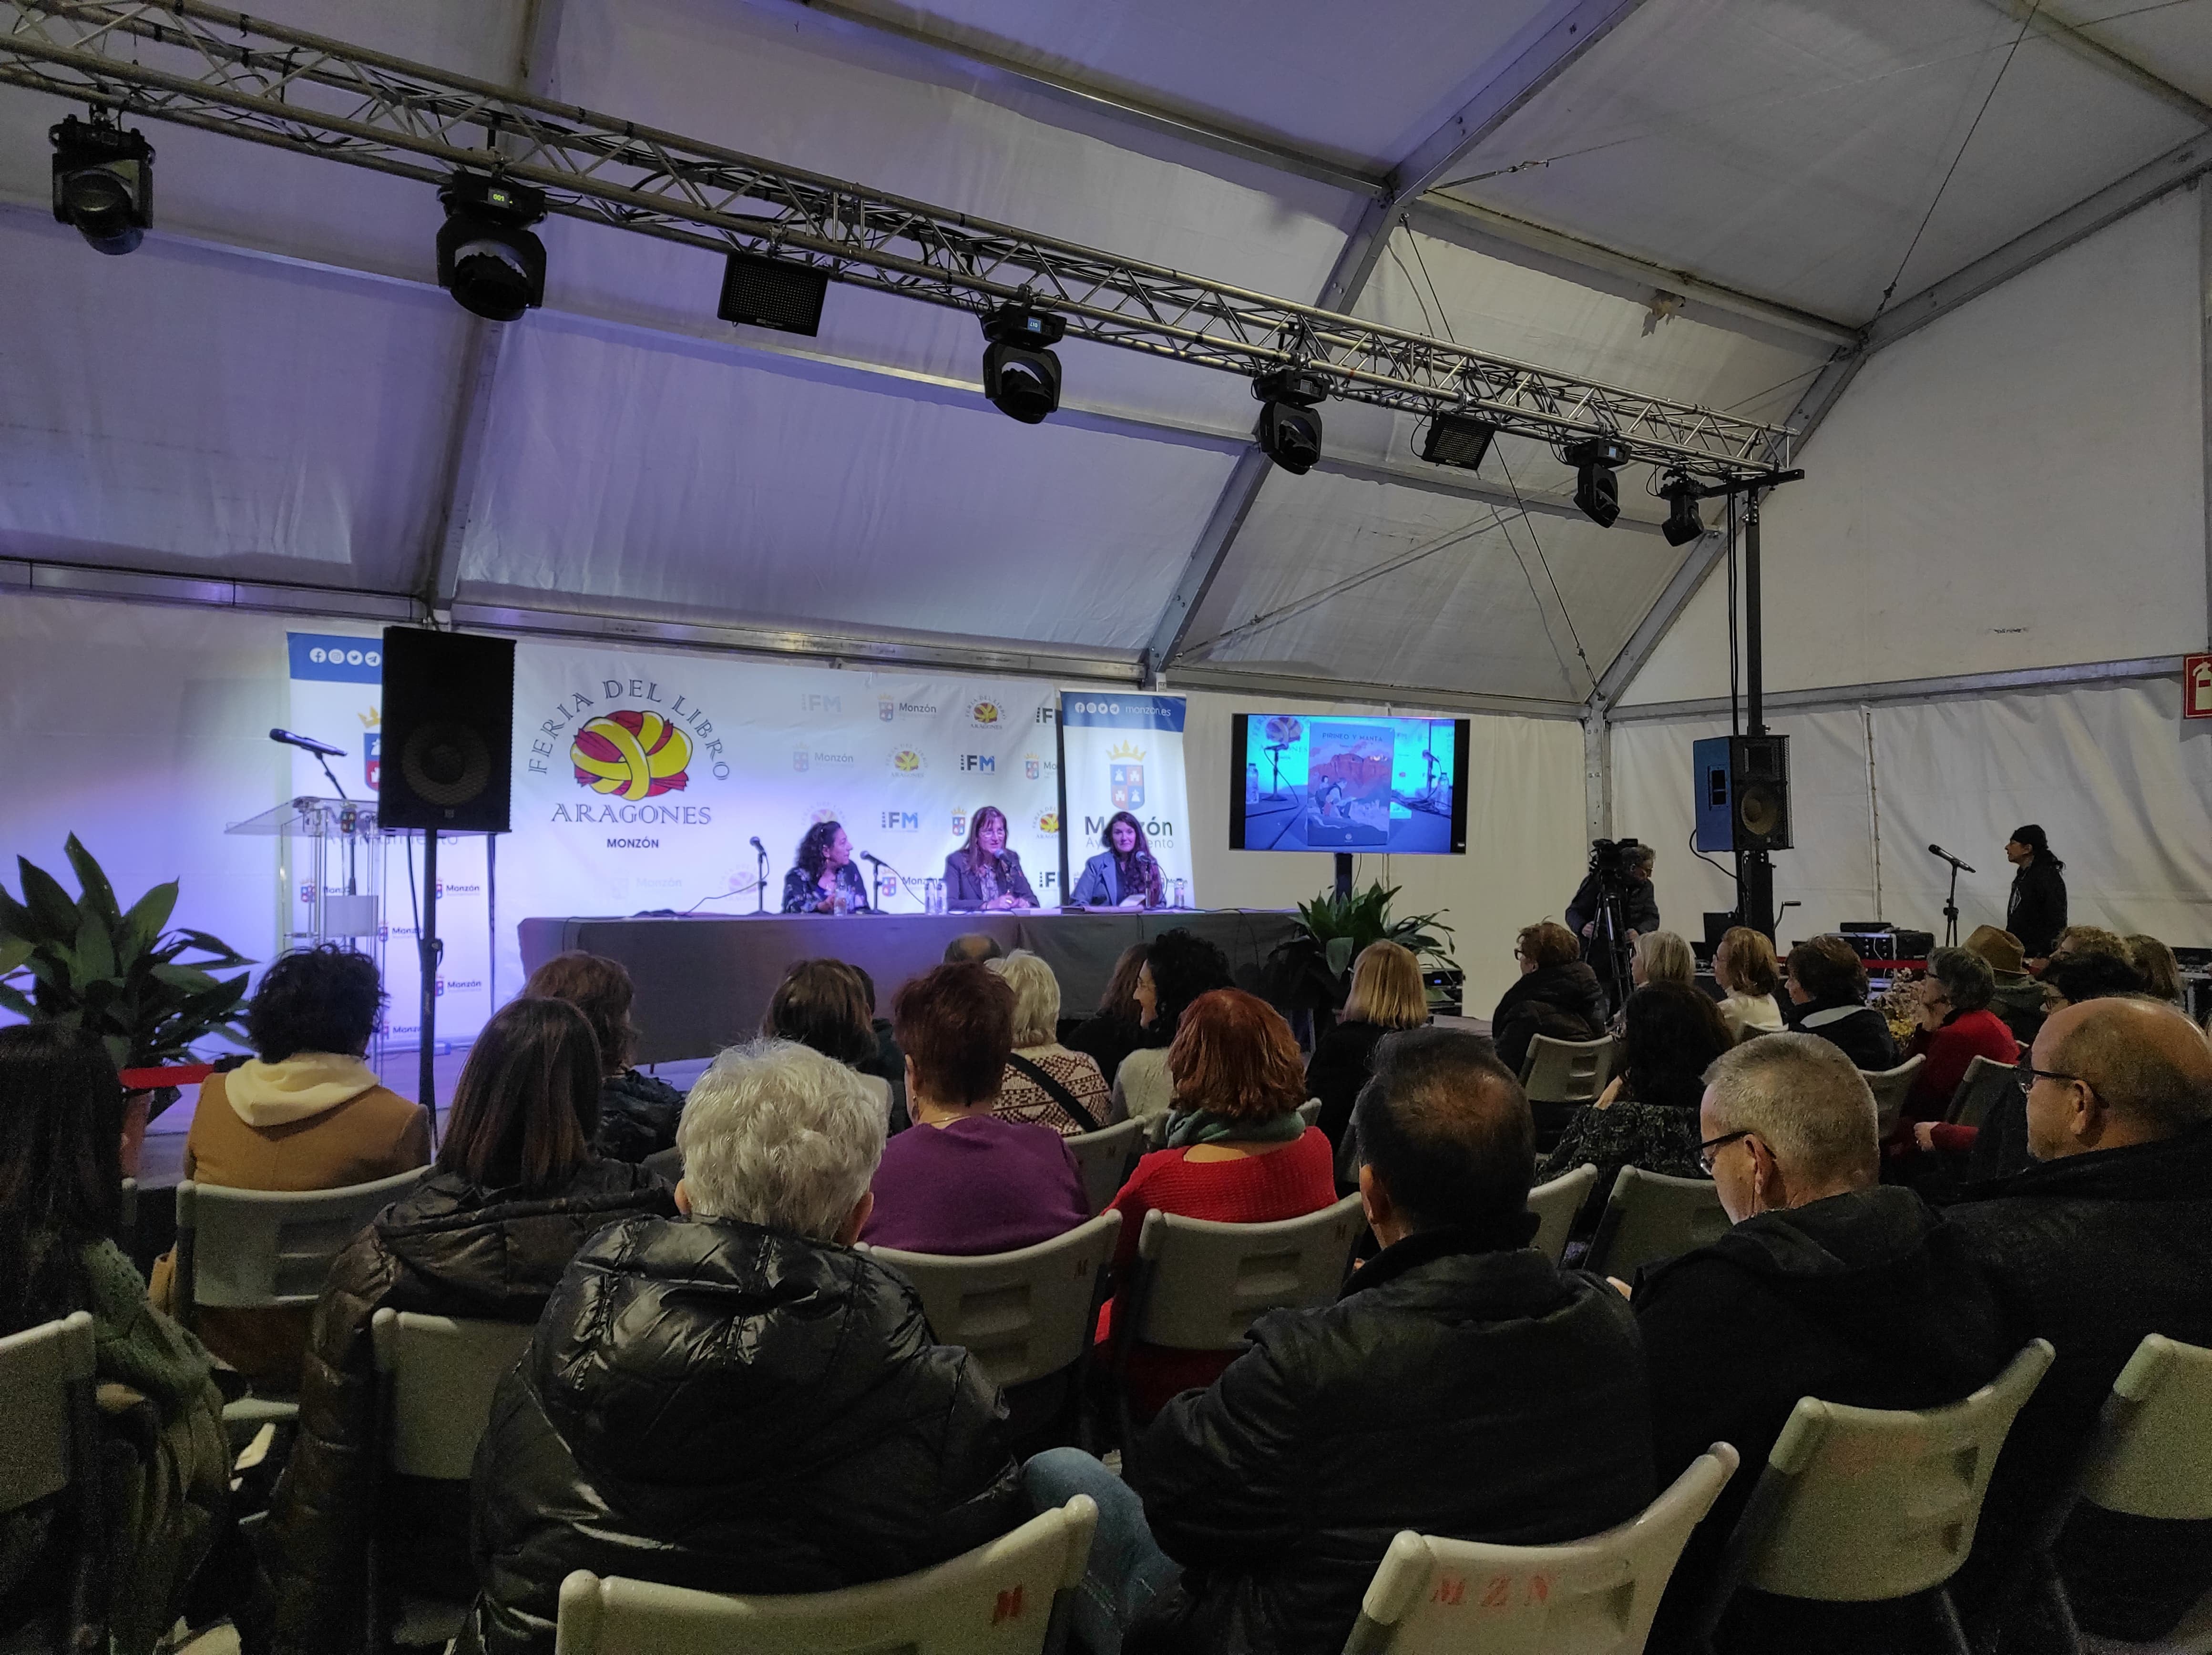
[(2036, 910)]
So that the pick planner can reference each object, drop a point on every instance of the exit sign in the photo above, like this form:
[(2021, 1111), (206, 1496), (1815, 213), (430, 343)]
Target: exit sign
[(2197, 686)]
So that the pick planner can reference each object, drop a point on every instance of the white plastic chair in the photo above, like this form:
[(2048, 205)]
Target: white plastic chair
[(1105, 1158), (1594, 1596), (126, 1218), (50, 1446), (1009, 1598), (1889, 1086), (1023, 1314), (1568, 1071), (1986, 1084), (1650, 1216), (435, 1376), (1864, 1505), (1555, 1205)]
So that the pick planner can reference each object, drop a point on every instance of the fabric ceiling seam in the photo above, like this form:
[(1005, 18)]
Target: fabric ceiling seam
[(1834, 697), (1233, 681), (39, 577), (2070, 38)]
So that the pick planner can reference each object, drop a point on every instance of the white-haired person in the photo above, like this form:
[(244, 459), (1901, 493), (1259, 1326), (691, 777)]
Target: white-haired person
[(1045, 1083), (736, 1401)]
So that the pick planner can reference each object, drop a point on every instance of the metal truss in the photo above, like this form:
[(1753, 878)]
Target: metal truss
[(201, 66)]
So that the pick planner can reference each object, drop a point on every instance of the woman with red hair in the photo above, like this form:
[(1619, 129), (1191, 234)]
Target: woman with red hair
[(1237, 1154)]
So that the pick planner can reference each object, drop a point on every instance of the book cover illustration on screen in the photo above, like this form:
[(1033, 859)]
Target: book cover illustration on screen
[(1349, 784)]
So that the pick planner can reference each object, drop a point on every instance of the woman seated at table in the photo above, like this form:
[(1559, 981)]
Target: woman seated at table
[(825, 881), (1124, 875), (983, 873)]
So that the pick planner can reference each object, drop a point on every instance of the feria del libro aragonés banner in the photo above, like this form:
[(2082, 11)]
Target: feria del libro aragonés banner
[(1124, 752), (641, 778)]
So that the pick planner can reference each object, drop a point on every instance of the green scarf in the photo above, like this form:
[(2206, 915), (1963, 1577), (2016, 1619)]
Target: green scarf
[(1189, 1126)]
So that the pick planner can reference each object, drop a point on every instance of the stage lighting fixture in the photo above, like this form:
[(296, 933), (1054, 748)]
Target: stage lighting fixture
[(486, 257), (1455, 440), (1020, 376), (1683, 523), (103, 181), (1597, 463), (1289, 431), (773, 293)]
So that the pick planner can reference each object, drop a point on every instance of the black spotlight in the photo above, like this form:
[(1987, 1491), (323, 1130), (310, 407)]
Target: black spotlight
[(1289, 430), (486, 257), (1597, 483), (1455, 440), (1683, 523), (1020, 376), (103, 182)]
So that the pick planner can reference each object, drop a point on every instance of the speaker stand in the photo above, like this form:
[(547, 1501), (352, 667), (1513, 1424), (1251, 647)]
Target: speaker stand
[(425, 954), (1754, 885), (1344, 876)]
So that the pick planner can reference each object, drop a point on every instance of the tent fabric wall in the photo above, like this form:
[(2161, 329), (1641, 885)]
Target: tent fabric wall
[(2123, 791)]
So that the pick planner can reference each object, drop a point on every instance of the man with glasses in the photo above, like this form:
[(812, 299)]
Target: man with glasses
[(1829, 1285), (2107, 1237)]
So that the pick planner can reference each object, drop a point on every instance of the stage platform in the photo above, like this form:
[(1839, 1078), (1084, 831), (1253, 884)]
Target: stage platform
[(703, 982)]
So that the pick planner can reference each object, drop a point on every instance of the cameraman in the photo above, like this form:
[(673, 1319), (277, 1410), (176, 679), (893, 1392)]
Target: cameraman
[(1639, 903)]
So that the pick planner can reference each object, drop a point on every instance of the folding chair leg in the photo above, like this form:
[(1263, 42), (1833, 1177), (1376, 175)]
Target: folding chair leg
[(2060, 1606), (1947, 1621)]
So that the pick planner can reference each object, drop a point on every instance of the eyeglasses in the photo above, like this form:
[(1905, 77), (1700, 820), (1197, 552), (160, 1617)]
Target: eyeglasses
[(2035, 1075), (1709, 1151)]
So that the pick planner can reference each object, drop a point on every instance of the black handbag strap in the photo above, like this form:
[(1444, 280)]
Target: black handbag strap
[(1058, 1093)]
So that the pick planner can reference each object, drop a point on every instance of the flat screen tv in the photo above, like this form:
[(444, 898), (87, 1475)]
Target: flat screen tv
[(1351, 784)]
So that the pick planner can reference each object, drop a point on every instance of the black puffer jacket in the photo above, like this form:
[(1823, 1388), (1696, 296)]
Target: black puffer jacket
[(713, 1405), (1564, 1001), (1462, 1385), (450, 1248), (638, 1114), (2035, 909)]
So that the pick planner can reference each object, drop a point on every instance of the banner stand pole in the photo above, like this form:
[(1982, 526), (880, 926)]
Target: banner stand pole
[(1059, 770), (426, 949)]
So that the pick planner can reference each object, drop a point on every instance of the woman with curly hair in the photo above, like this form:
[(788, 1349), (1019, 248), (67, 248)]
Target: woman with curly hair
[(1181, 967), (824, 880)]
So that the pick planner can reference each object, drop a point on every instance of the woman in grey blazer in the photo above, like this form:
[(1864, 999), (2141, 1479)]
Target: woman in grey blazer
[(983, 873)]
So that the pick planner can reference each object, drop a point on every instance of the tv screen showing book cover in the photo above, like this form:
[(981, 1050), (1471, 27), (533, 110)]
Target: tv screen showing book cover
[(1348, 784)]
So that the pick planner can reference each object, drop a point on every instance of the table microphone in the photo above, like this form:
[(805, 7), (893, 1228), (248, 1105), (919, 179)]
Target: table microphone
[(867, 855), (1948, 857), (322, 748)]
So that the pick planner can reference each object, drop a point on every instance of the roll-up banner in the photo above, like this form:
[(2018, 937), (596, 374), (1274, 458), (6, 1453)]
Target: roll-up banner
[(1124, 752)]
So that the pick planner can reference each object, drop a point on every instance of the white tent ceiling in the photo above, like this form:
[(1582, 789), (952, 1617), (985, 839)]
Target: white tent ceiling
[(271, 389)]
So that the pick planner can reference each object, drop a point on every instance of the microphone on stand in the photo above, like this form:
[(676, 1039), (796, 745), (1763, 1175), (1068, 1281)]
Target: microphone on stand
[(321, 749), (1951, 901), (760, 903), (755, 842), (1948, 857)]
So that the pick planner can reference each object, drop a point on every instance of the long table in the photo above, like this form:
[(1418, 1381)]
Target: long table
[(703, 981)]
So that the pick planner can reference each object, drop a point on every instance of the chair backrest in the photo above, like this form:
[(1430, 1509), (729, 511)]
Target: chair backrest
[(1889, 1086), (1002, 1599), (1555, 1205), (666, 1165), (2152, 1455), (1985, 1084), (1860, 1504), (1567, 1071), (1650, 1216), (1104, 1159), (436, 1374), (46, 1375), (1310, 1111), (1155, 1130), (1022, 1314), (1201, 1283), (258, 1249), (1594, 1596), (126, 1217)]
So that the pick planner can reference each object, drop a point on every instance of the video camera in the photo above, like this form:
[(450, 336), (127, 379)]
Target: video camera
[(1614, 861)]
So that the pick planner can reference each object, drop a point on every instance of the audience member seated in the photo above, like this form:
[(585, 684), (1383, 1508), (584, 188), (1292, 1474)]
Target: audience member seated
[(1662, 956), (1461, 1385), (1648, 1116), (1045, 1083), (1952, 1003), (1749, 974), (972, 948), (821, 1004), (61, 1190), (1237, 1153), (1829, 1285), (963, 1180), (2018, 998), (2074, 976), (1115, 1029), (2078, 940), (1828, 998), (1386, 996), (739, 1402), (889, 1065), (1179, 969), (2106, 1238), (1557, 995), (637, 1111), (486, 1236), (306, 1113), (2161, 972)]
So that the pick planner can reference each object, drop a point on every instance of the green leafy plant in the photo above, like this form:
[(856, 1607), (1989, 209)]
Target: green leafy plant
[(1312, 971), (148, 992)]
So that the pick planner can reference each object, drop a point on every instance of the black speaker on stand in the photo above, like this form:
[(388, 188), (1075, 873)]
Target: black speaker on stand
[(448, 750), (1742, 787)]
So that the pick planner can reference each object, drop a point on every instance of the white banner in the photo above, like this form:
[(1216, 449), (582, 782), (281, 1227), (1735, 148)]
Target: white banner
[(1124, 752)]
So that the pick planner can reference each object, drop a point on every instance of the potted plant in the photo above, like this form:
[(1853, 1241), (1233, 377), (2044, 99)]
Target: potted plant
[(149, 992), (1311, 973)]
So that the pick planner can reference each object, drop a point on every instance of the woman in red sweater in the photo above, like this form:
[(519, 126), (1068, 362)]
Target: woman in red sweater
[(1237, 1153), (1956, 1027)]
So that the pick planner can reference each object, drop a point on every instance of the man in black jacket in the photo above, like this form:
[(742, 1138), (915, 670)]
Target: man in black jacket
[(2105, 1238), (1461, 1384), (1829, 1286), (740, 1403)]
